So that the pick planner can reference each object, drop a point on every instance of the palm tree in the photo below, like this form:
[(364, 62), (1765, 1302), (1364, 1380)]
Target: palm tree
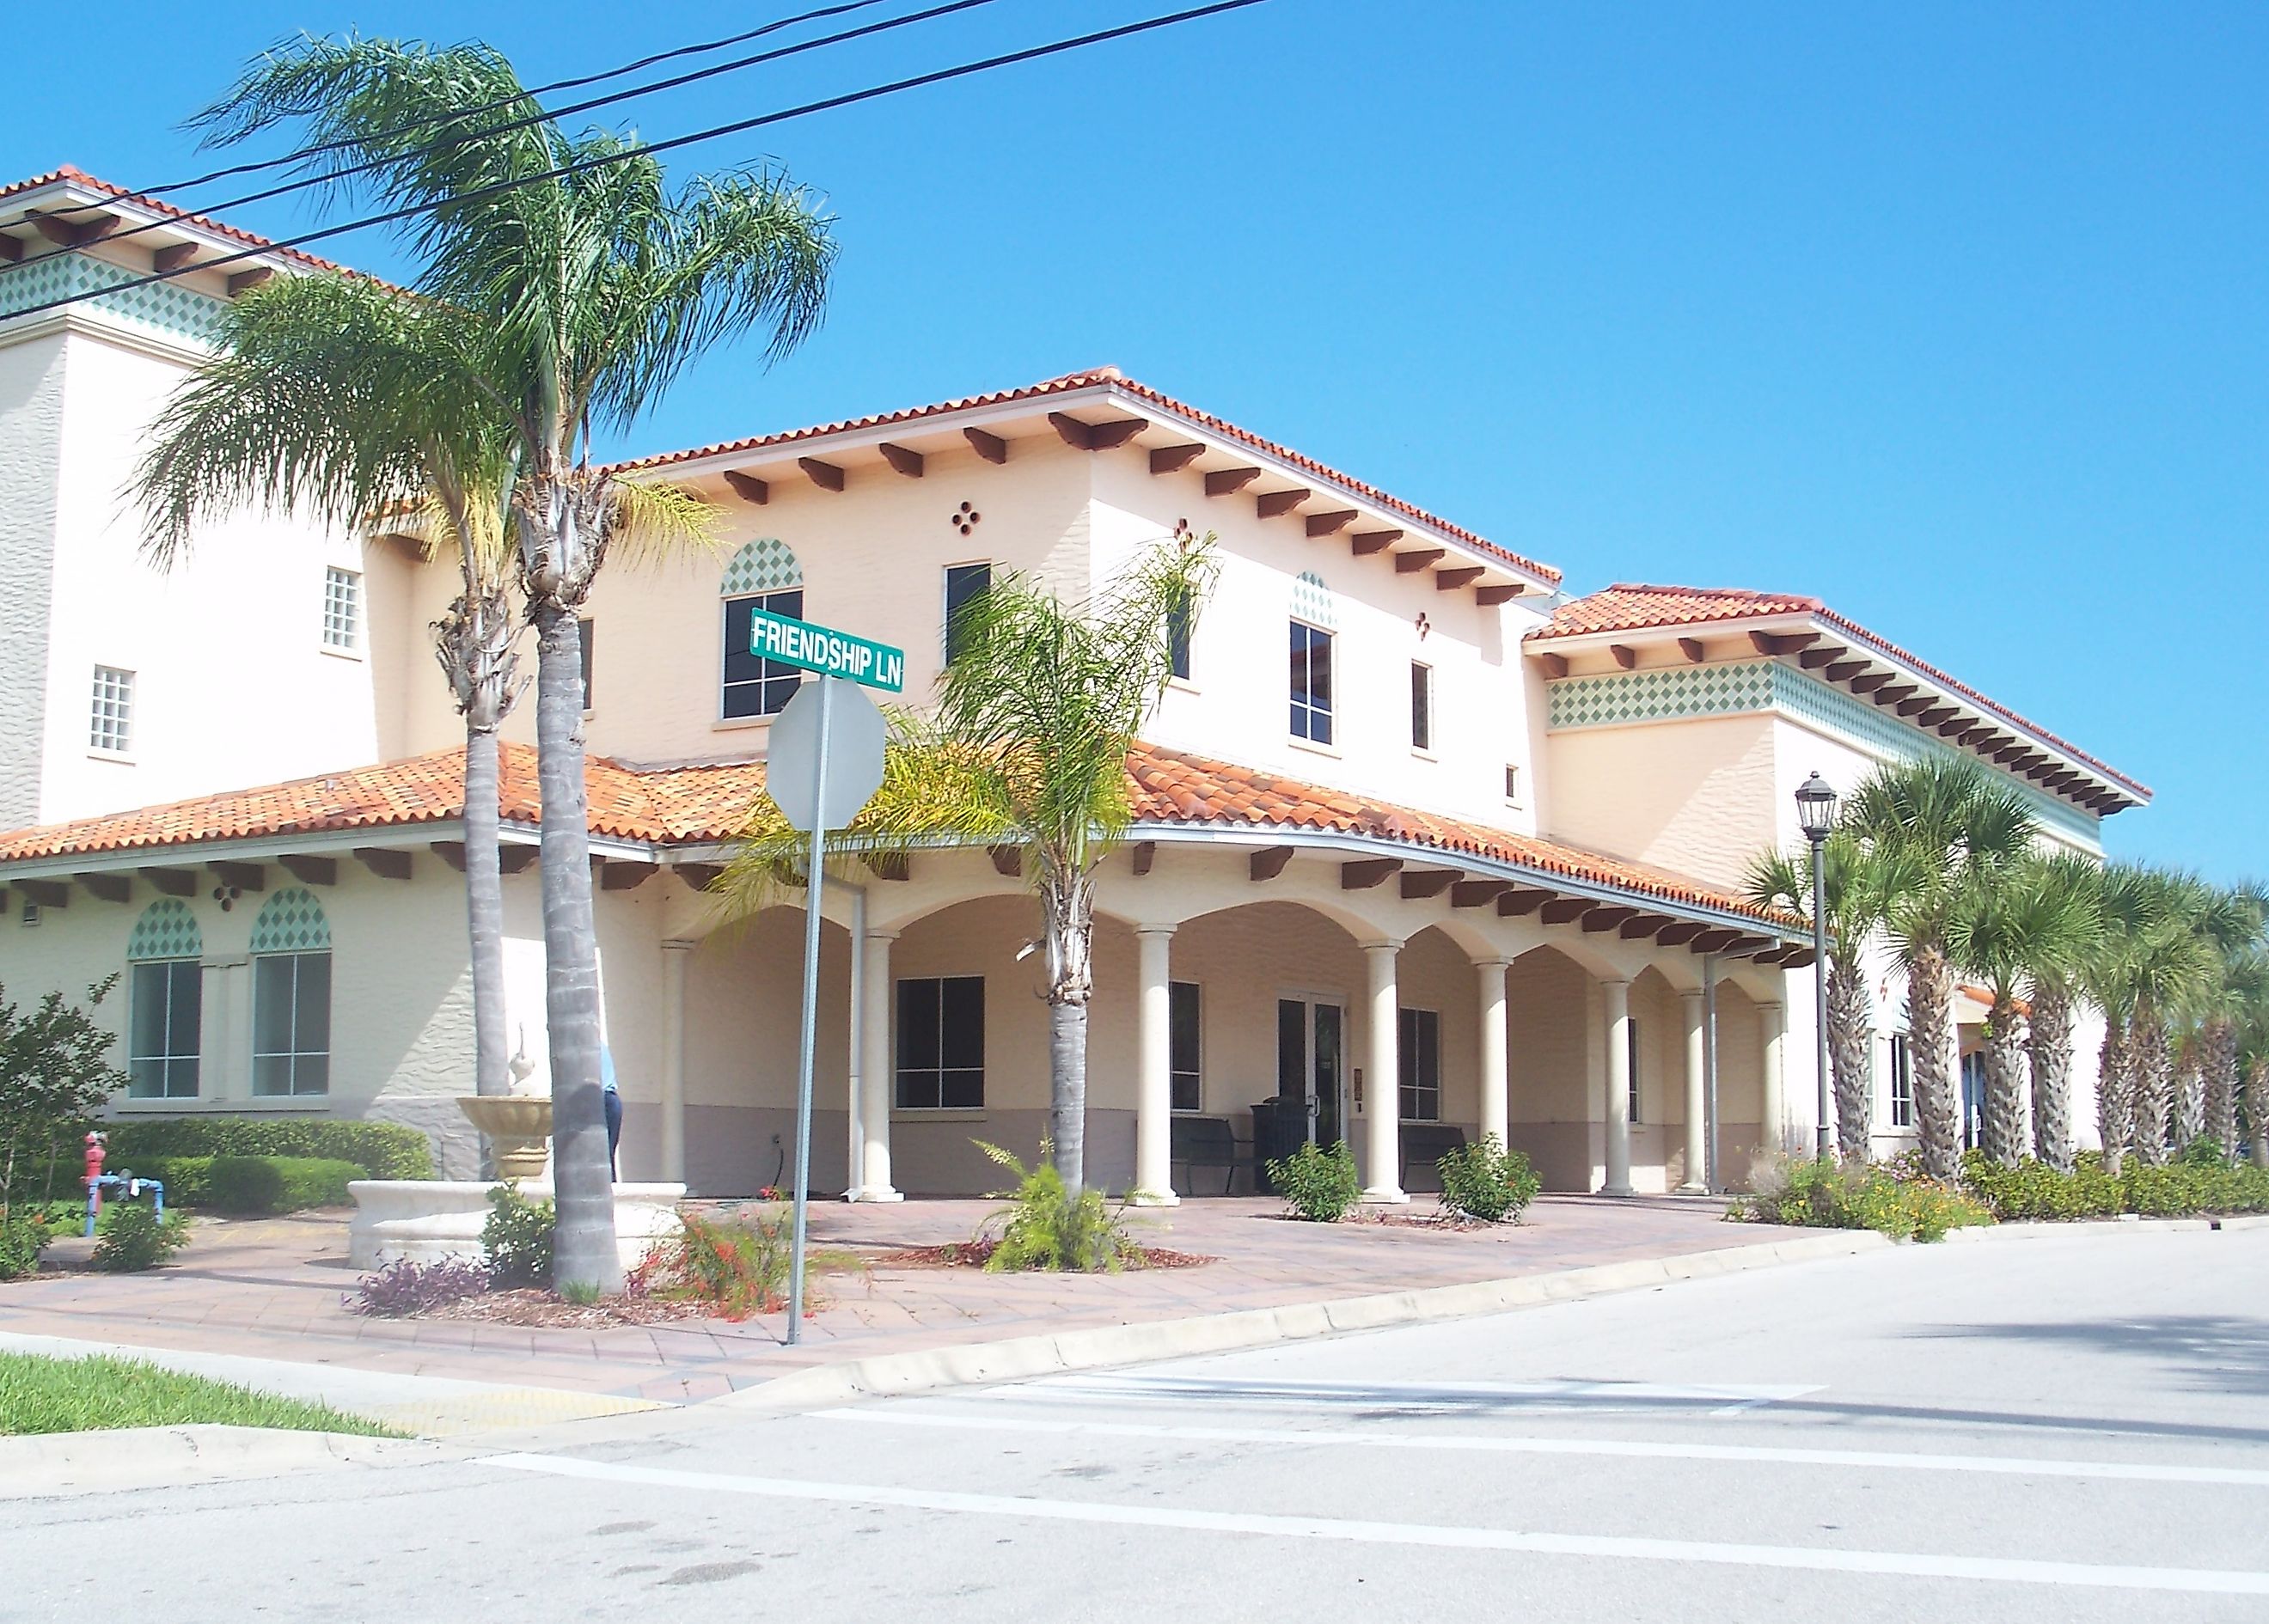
[(1949, 824), (343, 400), (2231, 921), (2248, 984), (1028, 746), (2151, 963), (592, 285), (2051, 989), (2015, 923), (1854, 891)]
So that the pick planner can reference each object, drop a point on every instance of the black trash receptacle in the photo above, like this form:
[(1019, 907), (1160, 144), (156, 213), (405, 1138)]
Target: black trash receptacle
[(1280, 1126)]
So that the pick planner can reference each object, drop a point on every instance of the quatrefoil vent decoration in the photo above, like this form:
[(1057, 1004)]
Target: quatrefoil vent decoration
[(964, 519)]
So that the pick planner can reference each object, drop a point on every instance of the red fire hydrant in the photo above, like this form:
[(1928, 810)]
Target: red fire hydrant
[(93, 1179)]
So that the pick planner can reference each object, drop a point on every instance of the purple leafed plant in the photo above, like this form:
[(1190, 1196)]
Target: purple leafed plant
[(406, 1287)]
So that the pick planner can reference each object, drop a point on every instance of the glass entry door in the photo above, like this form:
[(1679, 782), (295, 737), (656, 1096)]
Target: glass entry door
[(1311, 1064)]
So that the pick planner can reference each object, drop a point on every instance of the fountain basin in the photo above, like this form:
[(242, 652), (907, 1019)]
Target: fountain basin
[(517, 1126), (430, 1219)]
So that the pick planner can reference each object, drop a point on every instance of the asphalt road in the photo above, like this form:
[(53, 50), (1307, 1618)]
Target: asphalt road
[(2074, 1428)]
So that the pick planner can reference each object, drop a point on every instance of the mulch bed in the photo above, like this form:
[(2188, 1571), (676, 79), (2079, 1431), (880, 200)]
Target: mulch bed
[(526, 1306), (976, 1254)]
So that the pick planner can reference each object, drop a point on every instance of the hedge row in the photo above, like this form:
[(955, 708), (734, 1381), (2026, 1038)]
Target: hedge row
[(2195, 1185), (249, 1183), (380, 1149)]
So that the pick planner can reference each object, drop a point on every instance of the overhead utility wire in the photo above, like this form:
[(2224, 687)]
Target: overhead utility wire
[(827, 104), (538, 117)]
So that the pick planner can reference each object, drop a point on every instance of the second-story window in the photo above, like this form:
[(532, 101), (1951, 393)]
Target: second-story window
[(110, 724), (1312, 683), (342, 609), (1422, 706), (964, 584), (754, 685)]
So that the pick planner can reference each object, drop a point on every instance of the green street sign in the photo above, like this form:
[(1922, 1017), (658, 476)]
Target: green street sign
[(829, 653)]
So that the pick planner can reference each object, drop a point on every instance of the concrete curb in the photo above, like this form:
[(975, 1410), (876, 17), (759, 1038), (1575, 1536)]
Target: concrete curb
[(53, 1464), (2051, 1229), (1021, 1358)]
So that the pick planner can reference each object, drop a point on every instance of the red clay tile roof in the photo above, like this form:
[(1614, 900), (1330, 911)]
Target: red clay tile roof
[(702, 805), (1633, 606), (1110, 377), (78, 177)]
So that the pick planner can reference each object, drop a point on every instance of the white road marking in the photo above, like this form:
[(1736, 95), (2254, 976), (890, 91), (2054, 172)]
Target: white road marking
[(1415, 1398), (2008, 1466), (2006, 1570)]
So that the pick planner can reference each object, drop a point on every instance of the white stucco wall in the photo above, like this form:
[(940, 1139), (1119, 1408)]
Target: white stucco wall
[(31, 441)]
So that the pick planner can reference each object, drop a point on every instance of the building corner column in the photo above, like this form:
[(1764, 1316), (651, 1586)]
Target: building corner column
[(1772, 1133), (1617, 997), (1495, 1109), (1383, 1090), (1154, 1077), (1697, 1106), (673, 954), (877, 1075)]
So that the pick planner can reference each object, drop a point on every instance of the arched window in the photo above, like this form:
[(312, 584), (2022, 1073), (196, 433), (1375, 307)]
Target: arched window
[(763, 575), (165, 1002), (291, 995), (1311, 659)]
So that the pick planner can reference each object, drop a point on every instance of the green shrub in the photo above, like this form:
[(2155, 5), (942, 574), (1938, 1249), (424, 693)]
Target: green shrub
[(135, 1238), (24, 1236), (381, 1149), (272, 1183), (1320, 1184), (2034, 1191), (516, 1239), (1487, 1181), (1046, 1227), (2188, 1188), (1825, 1194), (185, 1177)]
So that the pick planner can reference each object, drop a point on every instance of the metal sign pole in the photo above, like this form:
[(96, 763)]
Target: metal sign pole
[(815, 885)]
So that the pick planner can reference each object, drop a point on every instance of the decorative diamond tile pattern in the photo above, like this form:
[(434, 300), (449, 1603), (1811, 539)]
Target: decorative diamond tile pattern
[(1669, 694), (167, 929), (1311, 600), (291, 921), (163, 306), (766, 564)]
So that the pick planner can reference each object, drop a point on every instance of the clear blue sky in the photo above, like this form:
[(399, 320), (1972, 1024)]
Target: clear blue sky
[(1958, 317)]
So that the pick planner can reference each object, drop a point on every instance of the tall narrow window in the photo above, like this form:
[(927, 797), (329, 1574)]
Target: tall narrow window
[(1422, 706), (110, 726), (1902, 1082), (964, 584), (1511, 782), (586, 634), (292, 996), (1177, 640), (1419, 1058), (754, 685), (342, 609), (165, 994), (1183, 1026), (1630, 1053), (941, 1048), (1312, 683)]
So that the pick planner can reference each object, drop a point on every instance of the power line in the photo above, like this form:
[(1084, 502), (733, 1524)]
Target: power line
[(539, 117), (826, 103)]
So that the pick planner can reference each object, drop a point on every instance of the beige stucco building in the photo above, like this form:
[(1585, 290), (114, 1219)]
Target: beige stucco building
[(1472, 860)]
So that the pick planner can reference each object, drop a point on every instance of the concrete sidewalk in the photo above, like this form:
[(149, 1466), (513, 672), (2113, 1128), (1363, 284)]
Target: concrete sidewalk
[(269, 1290)]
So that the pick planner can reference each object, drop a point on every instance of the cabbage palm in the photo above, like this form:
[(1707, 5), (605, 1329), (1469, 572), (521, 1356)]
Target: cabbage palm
[(340, 399), (1854, 890), (592, 285), (2231, 921), (2052, 988), (1950, 825), (2150, 963), (2013, 924), (1027, 748), (2249, 990)]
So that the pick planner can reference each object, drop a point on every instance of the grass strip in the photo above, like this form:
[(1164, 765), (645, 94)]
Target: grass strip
[(41, 1394)]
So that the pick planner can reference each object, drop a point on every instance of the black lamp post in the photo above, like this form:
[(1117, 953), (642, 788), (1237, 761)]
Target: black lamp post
[(1815, 812)]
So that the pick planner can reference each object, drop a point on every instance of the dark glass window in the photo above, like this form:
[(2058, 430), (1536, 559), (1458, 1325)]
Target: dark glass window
[(1630, 1053), (754, 686), (1183, 1005), (940, 1043), (1419, 1058), (1422, 706), (964, 584), (167, 1021), (1902, 1082), (292, 1024), (585, 631), (1177, 640), (1312, 683)]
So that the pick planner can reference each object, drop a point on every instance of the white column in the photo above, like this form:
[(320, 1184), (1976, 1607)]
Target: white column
[(1495, 1111), (1772, 1133), (877, 1075), (1697, 1120), (1383, 1093), (673, 954), (1618, 1001), (1154, 1077)]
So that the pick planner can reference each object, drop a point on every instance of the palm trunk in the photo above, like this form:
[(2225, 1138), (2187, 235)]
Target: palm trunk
[(484, 912), (583, 1247), (2049, 1041), (2256, 1109), (2148, 1062), (1937, 1063), (2222, 1083), (1068, 904), (2004, 1136), (2190, 1098), (1850, 1035), (2115, 1094)]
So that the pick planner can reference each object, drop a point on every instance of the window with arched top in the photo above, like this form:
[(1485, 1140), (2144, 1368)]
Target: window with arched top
[(1311, 659), (165, 1002), (291, 995), (763, 575)]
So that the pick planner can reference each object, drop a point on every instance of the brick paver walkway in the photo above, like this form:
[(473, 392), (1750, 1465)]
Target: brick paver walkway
[(271, 1288)]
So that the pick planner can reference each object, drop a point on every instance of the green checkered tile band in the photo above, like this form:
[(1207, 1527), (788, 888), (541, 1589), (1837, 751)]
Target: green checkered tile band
[(766, 564), (1311, 600), (161, 306), (291, 921), (167, 929)]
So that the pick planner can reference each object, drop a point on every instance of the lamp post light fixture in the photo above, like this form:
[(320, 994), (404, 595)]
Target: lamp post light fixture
[(1815, 812)]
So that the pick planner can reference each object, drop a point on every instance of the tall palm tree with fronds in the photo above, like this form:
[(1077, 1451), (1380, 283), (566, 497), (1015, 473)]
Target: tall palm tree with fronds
[(2149, 965), (593, 284), (1027, 746), (2248, 984), (345, 400), (2052, 989), (1855, 888), (1951, 826), (2231, 919), (2012, 924)]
